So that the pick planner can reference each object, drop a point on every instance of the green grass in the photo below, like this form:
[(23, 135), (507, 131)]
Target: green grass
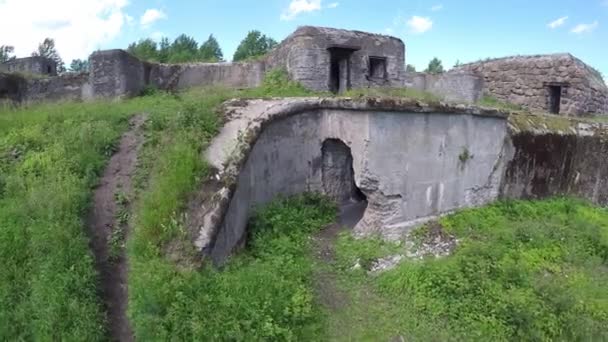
[(393, 92), (525, 271), (492, 102), (50, 157), (264, 293)]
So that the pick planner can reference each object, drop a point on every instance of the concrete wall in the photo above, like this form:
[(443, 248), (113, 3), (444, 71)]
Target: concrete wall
[(524, 80), (550, 164), (451, 86), (306, 57), (408, 164), (232, 75)]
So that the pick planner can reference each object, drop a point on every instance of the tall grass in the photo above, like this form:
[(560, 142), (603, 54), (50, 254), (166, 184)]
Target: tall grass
[(523, 271)]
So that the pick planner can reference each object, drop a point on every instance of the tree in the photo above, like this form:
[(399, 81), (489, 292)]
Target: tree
[(254, 45), (6, 53), (410, 68), (210, 50), (435, 66), (457, 64), (144, 49), (184, 49), (164, 50), (47, 49), (79, 65)]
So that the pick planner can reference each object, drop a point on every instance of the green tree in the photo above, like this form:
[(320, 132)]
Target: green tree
[(164, 50), (144, 49), (457, 64), (210, 50), (47, 49), (184, 49), (410, 68), (435, 66), (6, 53), (254, 45), (79, 65)]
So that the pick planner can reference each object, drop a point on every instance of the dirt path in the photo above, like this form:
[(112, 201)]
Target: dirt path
[(326, 288), (108, 227)]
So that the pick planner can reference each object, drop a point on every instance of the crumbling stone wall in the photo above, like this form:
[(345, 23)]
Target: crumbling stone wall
[(30, 65), (72, 87), (525, 80), (451, 86), (116, 73), (12, 88), (306, 56)]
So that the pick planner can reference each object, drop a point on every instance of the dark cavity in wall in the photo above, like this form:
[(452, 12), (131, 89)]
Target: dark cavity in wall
[(339, 73), (555, 98), (338, 178)]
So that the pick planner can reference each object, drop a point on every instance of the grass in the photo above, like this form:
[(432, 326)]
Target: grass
[(52, 155), (526, 271), (409, 93), (489, 101)]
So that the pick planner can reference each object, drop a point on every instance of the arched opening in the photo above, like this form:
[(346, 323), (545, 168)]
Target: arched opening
[(338, 178)]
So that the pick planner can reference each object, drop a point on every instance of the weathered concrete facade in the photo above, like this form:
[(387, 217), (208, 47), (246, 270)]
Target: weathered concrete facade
[(557, 83), (451, 86), (326, 59), (411, 162), (30, 65)]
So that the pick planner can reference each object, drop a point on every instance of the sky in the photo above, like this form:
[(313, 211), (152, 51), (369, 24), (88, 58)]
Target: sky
[(465, 30)]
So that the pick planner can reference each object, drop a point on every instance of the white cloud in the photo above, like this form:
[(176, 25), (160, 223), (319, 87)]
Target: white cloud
[(78, 26), (557, 22), (297, 7), (437, 8), (419, 24), (585, 28), (333, 5), (151, 16)]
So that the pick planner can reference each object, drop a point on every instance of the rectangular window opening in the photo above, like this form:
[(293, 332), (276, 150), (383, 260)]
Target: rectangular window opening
[(377, 67), (555, 98)]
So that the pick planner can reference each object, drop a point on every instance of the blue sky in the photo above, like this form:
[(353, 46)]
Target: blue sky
[(451, 30)]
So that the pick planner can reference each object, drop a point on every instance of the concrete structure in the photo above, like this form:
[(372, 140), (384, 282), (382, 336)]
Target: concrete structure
[(410, 162), (451, 86), (560, 83), (30, 65), (326, 59)]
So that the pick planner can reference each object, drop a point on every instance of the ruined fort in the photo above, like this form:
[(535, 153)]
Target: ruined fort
[(406, 161)]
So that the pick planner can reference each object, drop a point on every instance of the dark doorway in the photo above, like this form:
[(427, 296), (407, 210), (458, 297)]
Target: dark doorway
[(555, 98), (49, 69), (339, 70), (338, 178)]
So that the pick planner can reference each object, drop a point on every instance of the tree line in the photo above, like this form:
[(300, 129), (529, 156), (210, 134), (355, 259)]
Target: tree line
[(182, 50), (186, 49)]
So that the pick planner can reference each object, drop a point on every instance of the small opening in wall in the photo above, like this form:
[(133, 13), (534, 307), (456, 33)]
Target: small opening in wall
[(555, 98), (49, 70), (377, 67)]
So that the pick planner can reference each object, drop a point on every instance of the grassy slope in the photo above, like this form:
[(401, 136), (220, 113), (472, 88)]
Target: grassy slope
[(50, 156), (523, 271)]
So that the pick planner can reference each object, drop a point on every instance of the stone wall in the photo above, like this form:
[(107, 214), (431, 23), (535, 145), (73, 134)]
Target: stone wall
[(30, 65), (12, 88), (71, 87), (525, 80), (451, 86), (305, 55), (116, 73)]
